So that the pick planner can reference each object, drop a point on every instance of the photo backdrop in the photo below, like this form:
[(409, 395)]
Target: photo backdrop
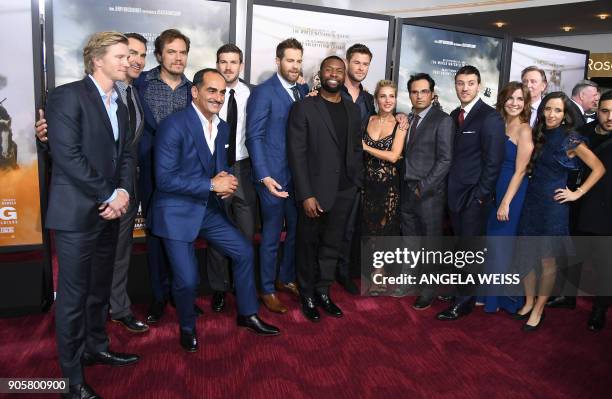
[(321, 31), (440, 53), (20, 220)]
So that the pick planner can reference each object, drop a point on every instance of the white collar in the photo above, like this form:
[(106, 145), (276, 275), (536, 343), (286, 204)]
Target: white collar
[(536, 105), (468, 108), (284, 82), (579, 106), (215, 119)]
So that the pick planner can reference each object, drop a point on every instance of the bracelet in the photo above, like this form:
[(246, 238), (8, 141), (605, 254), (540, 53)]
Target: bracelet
[(580, 189)]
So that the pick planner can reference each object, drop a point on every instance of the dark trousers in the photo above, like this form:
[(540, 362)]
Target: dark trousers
[(85, 260), (159, 270), (241, 208), (318, 244), (224, 237), (423, 217), (470, 222), (350, 240), (119, 300)]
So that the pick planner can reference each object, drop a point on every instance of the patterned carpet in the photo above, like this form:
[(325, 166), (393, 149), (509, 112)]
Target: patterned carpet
[(380, 349)]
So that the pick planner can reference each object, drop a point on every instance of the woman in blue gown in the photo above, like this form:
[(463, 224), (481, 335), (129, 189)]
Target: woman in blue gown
[(545, 217), (513, 104)]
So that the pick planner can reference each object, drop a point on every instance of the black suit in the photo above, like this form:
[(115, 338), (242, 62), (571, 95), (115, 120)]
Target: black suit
[(577, 115), (88, 166), (315, 160)]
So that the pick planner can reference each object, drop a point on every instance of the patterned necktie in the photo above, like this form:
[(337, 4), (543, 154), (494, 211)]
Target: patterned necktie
[(413, 126), (131, 111), (232, 120), (461, 117), (296, 93)]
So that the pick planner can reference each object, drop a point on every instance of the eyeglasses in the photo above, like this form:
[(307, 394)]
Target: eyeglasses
[(423, 92)]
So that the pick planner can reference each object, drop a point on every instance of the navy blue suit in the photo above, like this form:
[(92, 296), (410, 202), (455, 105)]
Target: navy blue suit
[(478, 153), (156, 256), (267, 114), (183, 208)]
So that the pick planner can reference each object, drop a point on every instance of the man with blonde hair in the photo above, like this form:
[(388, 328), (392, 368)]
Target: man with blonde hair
[(91, 184)]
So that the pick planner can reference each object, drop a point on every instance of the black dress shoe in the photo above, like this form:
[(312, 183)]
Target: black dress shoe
[(189, 340), (218, 301), (455, 312), (80, 391), (309, 309), (530, 328), (255, 324), (562, 302), (198, 310), (109, 358), (324, 301), (422, 302), (348, 284), (132, 324), (597, 320), (525, 316), (156, 311)]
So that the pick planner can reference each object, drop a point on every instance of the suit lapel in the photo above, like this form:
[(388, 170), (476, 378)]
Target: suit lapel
[(197, 133), (472, 114), (280, 90), (95, 97), (326, 118)]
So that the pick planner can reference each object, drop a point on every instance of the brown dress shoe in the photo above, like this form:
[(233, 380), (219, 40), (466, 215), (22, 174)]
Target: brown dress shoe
[(289, 288), (273, 304)]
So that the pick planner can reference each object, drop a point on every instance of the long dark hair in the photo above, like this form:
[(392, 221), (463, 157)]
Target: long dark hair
[(567, 124)]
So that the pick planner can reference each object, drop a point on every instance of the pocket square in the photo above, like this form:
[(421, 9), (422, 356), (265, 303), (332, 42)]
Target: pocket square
[(226, 146), (469, 132)]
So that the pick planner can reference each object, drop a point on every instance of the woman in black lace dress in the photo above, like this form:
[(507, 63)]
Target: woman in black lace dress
[(383, 142)]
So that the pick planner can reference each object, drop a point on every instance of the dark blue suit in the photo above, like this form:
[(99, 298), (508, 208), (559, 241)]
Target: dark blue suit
[(156, 256), (267, 114), (183, 208)]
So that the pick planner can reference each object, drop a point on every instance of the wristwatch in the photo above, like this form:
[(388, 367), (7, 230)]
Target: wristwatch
[(212, 186)]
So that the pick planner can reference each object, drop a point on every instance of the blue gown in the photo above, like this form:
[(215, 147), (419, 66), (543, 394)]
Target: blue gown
[(543, 216), (501, 249)]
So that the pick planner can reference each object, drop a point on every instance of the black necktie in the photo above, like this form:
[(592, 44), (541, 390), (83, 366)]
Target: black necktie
[(413, 126), (232, 120), (296, 93), (131, 111)]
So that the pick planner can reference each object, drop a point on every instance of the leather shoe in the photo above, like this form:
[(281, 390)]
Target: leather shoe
[(218, 301), (189, 340), (80, 391), (422, 302), (309, 309), (255, 324), (109, 358), (156, 311), (132, 324), (454, 312), (273, 304), (518, 316), (530, 328), (324, 301), (597, 320), (562, 302), (289, 288), (348, 284)]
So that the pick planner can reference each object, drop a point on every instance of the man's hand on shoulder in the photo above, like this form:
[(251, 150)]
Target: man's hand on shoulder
[(224, 184)]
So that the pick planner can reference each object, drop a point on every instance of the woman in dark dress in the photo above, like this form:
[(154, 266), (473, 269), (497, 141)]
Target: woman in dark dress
[(546, 210), (513, 104), (383, 142)]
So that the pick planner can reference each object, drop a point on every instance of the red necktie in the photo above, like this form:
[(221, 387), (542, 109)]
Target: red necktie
[(461, 118)]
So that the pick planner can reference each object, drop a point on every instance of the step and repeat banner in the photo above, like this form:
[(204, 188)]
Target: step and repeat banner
[(206, 23), (440, 53), (563, 66), (322, 32), (20, 220)]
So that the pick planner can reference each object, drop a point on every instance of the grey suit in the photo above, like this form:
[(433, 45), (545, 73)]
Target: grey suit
[(119, 300), (427, 159)]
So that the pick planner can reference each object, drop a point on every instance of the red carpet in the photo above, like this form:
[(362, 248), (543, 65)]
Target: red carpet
[(380, 349)]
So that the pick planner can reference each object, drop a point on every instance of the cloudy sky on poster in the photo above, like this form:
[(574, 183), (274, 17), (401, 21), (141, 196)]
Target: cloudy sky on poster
[(441, 53), (321, 34), (563, 68), (206, 23)]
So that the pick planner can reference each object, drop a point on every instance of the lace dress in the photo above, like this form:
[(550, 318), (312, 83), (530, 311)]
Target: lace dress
[(381, 194)]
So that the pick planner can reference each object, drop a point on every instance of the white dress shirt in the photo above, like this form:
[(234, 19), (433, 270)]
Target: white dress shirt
[(210, 136), (534, 112), (241, 94), (286, 85), (468, 108)]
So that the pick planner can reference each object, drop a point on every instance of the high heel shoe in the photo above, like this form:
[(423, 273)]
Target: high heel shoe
[(518, 316), (528, 328)]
